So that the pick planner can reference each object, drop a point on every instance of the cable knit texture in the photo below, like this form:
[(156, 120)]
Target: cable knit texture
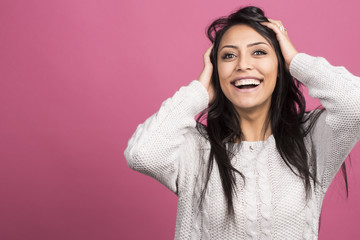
[(271, 205)]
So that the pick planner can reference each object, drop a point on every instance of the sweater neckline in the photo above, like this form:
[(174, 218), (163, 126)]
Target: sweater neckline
[(257, 142), (254, 144)]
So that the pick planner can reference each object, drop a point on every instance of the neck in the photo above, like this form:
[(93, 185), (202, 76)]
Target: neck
[(253, 125)]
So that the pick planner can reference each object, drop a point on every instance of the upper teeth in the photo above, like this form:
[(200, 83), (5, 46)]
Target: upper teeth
[(246, 82)]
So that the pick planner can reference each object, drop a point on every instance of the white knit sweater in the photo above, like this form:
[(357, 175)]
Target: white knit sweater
[(271, 205)]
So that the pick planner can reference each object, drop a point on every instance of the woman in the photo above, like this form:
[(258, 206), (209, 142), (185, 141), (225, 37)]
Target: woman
[(261, 166)]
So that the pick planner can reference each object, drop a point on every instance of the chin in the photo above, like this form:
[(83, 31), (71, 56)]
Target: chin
[(246, 107), (249, 103)]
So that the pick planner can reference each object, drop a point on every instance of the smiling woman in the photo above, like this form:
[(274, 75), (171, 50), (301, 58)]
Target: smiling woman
[(247, 60), (260, 167)]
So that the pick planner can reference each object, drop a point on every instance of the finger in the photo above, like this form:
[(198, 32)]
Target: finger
[(272, 26), (207, 55), (280, 25), (208, 51), (275, 27), (277, 22)]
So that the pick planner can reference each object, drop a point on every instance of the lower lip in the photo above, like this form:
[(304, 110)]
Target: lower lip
[(246, 90)]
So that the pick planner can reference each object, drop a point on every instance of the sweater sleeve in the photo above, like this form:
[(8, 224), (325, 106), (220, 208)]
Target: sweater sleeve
[(337, 130), (160, 144)]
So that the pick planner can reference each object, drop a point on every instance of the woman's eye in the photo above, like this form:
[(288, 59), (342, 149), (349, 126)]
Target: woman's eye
[(260, 52), (228, 56)]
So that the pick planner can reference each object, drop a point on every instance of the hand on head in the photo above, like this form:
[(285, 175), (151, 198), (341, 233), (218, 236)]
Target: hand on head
[(287, 48), (205, 76)]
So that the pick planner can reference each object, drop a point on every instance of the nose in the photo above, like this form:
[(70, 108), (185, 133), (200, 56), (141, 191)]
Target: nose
[(244, 64)]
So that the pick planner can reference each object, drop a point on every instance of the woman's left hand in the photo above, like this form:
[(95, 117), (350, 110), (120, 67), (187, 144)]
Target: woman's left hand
[(287, 48)]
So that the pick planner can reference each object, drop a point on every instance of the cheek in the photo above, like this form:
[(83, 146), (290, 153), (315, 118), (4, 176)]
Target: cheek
[(225, 70), (269, 69), (223, 78)]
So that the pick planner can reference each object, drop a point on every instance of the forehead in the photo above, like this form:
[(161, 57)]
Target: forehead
[(241, 34)]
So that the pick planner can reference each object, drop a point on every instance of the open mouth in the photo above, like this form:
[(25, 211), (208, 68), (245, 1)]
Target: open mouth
[(247, 86)]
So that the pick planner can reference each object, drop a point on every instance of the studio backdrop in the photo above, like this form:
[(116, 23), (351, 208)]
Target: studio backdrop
[(78, 76)]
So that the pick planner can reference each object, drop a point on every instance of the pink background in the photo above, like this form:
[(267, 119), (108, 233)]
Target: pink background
[(77, 77)]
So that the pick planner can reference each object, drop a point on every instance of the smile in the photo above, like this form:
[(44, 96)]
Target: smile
[(248, 87)]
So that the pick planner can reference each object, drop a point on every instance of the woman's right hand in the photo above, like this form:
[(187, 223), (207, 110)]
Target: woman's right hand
[(205, 76)]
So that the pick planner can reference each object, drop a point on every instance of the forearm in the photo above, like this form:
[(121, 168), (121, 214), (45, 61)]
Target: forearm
[(338, 128), (154, 148), (337, 89)]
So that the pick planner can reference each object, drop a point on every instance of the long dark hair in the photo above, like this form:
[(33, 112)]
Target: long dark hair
[(286, 117)]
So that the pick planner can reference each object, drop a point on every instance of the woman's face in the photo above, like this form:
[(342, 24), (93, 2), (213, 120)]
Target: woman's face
[(246, 59)]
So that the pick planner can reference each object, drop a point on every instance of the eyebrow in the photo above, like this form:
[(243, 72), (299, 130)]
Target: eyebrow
[(249, 45)]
